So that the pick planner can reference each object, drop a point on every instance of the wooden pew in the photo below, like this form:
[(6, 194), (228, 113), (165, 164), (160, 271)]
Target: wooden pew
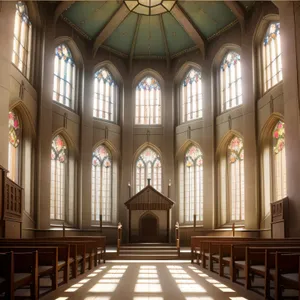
[(47, 260), (287, 273), (66, 253), (22, 270)]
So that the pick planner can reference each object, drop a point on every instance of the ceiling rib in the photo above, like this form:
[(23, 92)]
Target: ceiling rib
[(138, 22), (61, 7), (190, 29), (162, 28), (110, 27), (237, 10)]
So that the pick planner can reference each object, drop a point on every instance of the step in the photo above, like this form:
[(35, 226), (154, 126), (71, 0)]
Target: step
[(138, 248)]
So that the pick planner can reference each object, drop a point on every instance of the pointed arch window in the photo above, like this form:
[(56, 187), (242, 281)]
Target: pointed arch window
[(231, 81), (14, 146), (64, 76), (191, 186), (148, 166), (59, 162), (236, 179), (22, 39), (191, 96), (105, 96), (102, 184), (271, 50), (279, 161), (148, 102)]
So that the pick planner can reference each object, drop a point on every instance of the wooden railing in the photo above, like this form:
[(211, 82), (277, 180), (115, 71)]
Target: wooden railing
[(177, 238), (11, 198)]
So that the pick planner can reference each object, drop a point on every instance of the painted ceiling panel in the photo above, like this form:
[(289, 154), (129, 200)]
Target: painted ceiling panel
[(208, 16), (91, 16), (177, 38), (121, 39), (149, 34)]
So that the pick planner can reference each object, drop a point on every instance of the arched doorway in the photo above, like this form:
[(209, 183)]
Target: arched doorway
[(149, 228)]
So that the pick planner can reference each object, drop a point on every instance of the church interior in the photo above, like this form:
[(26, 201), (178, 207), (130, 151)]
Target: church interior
[(150, 150)]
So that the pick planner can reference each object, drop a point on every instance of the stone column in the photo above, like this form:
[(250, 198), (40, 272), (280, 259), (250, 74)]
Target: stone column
[(7, 16), (289, 12), (86, 149), (207, 145), (44, 128), (249, 134), (127, 154)]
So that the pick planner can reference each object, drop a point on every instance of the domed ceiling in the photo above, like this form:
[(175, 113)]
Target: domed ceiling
[(177, 27)]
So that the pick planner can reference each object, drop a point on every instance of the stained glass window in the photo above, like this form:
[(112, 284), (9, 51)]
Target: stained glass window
[(148, 102), (279, 161), (191, 96), (192, 184), (64, 76), (102, 184), (271, 50), (231, 81), (105, 95), (22, 39), (59, 161), (236, 179), (148, 166), (14, 148)]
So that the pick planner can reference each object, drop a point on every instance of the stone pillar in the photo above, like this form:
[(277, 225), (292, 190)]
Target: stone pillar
[(127, 123), (207, 145), (86, 149), (7, 15), (249, 134), (290, 29), (44, 128)]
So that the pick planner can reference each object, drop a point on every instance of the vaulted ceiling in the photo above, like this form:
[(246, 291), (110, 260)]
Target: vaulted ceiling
[(189, 25)]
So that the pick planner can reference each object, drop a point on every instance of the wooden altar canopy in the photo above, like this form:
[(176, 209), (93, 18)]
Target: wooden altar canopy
[(149, 199)]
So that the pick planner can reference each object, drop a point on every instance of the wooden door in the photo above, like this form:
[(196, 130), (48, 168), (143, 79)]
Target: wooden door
[(149, 228)]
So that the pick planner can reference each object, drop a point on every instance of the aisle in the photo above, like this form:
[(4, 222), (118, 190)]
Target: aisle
[(151, 281)]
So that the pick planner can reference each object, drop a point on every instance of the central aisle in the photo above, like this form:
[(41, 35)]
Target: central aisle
[(132, 280)]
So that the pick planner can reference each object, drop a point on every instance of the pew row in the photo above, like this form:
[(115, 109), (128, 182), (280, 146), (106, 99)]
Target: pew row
[(18, 269)]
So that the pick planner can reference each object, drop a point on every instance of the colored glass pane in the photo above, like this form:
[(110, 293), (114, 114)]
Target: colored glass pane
[(104, 75), (149, 155), (14, 129), (230, 59), (148, 83), (64, 53), (101, 156), (192, 154), (236, 150), (192, 76), (272, 33), (278, 135), (22, 9), (59, 149)]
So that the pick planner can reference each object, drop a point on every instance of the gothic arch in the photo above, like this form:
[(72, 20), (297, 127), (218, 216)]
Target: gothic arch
[(184, 69), (181, 151), (268, 127), (148, 72), (143, 147), (114, 152), (72, 149), (222, 147), (112, 69)]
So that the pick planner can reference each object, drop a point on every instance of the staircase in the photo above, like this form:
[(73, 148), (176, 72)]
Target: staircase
[(149, 251)]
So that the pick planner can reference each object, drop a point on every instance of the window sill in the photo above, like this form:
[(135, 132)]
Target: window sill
[(230, 109), (271, 89), (64, 106)]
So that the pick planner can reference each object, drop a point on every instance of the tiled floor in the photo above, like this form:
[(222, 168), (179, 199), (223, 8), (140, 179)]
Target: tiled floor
[(156, 280)]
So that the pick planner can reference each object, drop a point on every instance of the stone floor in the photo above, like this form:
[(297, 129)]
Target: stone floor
[(151, 280)]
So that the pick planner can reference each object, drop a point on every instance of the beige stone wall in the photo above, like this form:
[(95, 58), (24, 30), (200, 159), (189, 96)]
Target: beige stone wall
[(43, 119)]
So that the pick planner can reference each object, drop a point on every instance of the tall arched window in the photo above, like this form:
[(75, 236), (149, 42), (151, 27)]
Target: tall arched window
[(148, 166), (271, 50), (105, 96), (279, 161), (14, 147), (148, 102), (22, 39), (59, 162), (191, 186), (64, 76), (102, 184), (231, 81), (236, 179), (191, 96)]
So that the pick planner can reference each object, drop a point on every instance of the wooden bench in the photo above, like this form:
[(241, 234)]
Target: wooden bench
[(287, 273), (17, 270)]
